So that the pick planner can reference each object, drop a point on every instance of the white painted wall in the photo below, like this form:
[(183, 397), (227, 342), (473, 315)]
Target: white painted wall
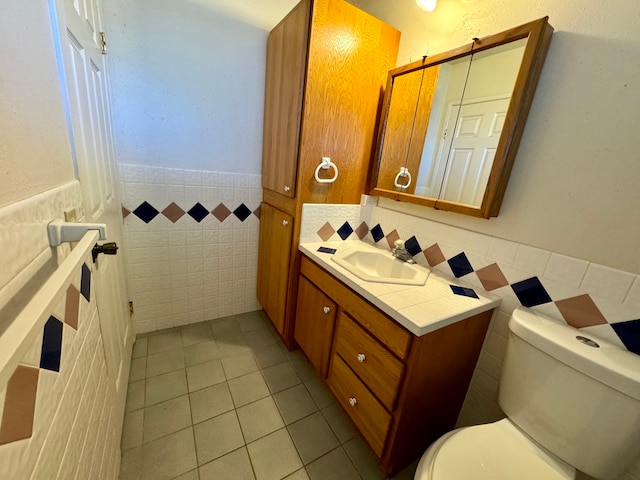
[(34, 147), (574, 186), (187, 85)]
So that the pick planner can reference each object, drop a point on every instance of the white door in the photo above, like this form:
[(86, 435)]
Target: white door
[(468, 155), (84, 77)]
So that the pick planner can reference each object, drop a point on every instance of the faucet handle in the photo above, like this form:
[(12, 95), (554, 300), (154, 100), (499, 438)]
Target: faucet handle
[(398, 243)]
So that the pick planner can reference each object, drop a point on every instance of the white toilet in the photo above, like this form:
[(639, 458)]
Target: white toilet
[(570, 403)]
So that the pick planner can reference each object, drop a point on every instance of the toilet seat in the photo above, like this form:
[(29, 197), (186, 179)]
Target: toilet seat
[(495, 451)]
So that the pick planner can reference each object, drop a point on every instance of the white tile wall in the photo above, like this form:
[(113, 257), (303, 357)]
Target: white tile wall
[(187, 272), (616, 293)]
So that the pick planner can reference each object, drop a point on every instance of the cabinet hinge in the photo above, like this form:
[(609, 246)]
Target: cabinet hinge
[(103, 43)]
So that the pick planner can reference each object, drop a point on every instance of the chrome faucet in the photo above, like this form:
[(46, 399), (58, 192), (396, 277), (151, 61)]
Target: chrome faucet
[(402, 253)]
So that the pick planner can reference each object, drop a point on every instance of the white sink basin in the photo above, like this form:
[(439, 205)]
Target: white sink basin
[(380, 266)]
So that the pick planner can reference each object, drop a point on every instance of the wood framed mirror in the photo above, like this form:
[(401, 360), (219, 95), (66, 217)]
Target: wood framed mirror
[(451, 123)]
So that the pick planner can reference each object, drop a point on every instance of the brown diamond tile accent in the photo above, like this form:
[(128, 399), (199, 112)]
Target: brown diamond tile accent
[(326, 231), (71, 307), (256, 212), (19, 405), (125, 213), (492, 277), (362, 230), (434, 255), (221, 212), (392, 237), (580, 311), (173, 212)]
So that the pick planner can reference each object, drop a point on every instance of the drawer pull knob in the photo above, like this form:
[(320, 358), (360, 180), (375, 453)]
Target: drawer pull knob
[(361, 357), (353, 401), (285, 222), (287, 188), (326, 309)]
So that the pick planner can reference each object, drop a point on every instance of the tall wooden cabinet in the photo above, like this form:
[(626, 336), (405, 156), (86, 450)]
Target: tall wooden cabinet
[(327, 65)]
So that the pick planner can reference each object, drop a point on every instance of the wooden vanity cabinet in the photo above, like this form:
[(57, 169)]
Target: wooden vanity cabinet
[(327, 64), (401, 391)]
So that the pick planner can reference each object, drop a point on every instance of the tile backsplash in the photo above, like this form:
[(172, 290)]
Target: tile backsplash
[(192, 239), (601, 301)]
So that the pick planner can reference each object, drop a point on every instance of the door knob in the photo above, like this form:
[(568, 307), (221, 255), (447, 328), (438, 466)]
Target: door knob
[(109, 248)]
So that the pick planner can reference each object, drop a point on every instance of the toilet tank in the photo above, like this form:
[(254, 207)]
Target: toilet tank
[(579, 401)]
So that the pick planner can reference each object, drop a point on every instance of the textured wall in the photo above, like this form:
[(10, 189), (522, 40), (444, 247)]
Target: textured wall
[(575, 176), (34, 145)]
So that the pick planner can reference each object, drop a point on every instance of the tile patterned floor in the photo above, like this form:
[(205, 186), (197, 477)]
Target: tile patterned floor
[(225, 400)]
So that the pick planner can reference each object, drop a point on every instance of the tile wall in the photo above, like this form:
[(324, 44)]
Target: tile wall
[(601, 301), (56, 415), (192, 239)]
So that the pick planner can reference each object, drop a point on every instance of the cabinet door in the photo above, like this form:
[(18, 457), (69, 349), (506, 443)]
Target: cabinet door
[(315, 319), (284, 84), (276, 234)]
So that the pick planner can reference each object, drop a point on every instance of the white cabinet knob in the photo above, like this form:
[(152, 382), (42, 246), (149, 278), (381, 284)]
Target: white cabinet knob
[(287, 188), (326, 309), (285, 223), (353, 401), (361, 357)]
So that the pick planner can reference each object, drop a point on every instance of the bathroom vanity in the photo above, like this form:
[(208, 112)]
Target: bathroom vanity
[(400, 375)]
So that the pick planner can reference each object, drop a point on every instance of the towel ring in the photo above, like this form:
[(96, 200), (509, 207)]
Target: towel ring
[(325, 165)]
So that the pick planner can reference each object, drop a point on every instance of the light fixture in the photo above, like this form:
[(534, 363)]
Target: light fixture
[(428, 5)]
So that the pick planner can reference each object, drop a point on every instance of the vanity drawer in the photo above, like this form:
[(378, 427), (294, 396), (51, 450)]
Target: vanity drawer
[(369, 359), (371, 418)]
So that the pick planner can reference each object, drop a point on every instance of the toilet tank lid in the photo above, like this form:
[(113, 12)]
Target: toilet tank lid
[(609, 364)]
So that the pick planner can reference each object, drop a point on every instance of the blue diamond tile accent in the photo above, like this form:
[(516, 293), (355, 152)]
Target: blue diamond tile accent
[(345, 230), (146, 212), (629, 333), (377, 233), (242, 212), (85, 282), (412, 246), (51, 345), (198, 212), (465, 292), (530, 292), (460, 265)]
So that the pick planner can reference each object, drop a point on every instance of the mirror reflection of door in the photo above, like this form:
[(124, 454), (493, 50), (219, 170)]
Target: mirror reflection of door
[(463, 164)]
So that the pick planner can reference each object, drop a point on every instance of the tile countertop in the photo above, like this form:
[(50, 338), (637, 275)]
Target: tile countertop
[(420, 309)]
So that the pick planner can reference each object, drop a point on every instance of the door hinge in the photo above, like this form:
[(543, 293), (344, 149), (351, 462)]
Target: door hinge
[(130, 308), (103, 43)]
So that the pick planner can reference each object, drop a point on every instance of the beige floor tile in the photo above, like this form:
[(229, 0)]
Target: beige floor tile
[(197, 333), (280, 377), (165, 362), (363, 459), (217, 437), (320, 392), (200, 353), (295, 403), (131, 464), (238, 365), (259, 419), (231, 343), (303, 368), (210, 402), (166, 417), (164, 341), (135, 396), (270, 354), (312, 437), (274, 456), (165, 386), (251, 321), (170, 456), (138, 369), (248, 388), (140, 347), (335, 465), (192, 475), (232, 466), (340, 423), (132, 430), (299, 475), (205, 374)]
